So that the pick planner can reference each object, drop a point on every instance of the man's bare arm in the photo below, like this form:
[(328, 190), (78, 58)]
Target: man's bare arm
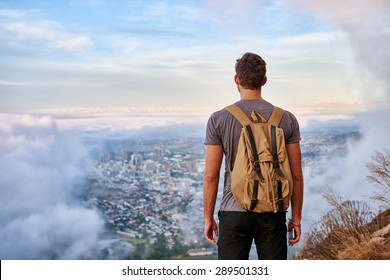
[(295, 160), (213, 161)]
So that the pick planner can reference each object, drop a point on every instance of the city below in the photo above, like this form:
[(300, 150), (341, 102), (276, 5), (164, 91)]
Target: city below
[(150, 193)]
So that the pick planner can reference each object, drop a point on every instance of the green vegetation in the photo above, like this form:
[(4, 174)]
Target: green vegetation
[(159, 249)]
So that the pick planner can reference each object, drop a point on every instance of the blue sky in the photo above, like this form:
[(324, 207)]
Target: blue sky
[(179, 54)]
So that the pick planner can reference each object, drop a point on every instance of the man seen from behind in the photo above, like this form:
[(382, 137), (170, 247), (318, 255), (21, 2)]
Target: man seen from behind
[(238, 228)]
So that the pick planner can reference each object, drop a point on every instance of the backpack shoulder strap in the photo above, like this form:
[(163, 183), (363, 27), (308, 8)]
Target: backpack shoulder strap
[(238, 114), (276, 116)]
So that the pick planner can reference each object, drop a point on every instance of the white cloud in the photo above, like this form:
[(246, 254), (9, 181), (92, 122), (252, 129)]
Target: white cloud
[(366, 24), (71, 42), (130, 119), (30, 121), (41, 173), (13, 83), (11, 13), (126, 119), (352, 13), (57, 232), (310, 39), (48, 34), (327, 112)]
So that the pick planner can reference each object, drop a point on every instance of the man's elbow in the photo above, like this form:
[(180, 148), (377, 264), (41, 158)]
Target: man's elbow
[(298, 177), (210, 178), (298, 180)]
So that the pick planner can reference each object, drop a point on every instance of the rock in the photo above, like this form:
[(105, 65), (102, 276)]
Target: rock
[(383, 232)]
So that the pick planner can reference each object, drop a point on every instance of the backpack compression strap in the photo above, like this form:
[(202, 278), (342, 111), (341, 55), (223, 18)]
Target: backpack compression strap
[(274, 120)]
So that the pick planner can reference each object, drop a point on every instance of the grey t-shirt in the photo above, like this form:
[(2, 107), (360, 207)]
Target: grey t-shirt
[(223, 129)]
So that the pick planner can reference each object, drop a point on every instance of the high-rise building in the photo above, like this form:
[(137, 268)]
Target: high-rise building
[(158, 153), (111, 156), (136, 159), (126, 156)]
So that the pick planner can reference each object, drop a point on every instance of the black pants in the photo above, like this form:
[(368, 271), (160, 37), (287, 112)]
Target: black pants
[(237, 230)]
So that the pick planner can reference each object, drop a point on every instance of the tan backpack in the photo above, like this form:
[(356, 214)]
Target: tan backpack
[(261, 179)]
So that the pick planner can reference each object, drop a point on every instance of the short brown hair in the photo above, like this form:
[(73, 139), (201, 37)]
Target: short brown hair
[(250, 69)]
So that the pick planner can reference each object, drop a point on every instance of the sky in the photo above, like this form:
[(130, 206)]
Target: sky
[(149, 55), (75, 70)]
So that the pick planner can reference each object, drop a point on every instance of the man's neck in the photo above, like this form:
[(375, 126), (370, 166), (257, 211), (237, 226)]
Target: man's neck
[(250, 94)]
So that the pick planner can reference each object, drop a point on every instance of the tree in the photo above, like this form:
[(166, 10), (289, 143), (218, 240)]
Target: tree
[(158, 250)]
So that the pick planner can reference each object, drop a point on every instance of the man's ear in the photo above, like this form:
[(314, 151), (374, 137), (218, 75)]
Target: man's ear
[(264, 81), (236, 80)]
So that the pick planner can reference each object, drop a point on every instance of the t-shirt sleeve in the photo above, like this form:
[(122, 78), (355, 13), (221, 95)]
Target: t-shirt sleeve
[(213, 135), (295, 135)]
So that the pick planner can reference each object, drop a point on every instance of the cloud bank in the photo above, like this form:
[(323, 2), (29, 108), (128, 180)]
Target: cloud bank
[(366, 25), (42, 171)]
